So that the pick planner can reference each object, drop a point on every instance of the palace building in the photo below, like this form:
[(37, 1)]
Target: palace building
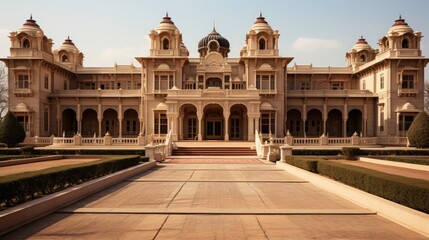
[(215, 97)]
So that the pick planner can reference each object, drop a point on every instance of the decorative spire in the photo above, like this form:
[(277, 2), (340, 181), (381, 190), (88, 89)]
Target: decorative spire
[(68, 41), (260, 19), (31, 22), (214, 29), (400, 21), (167, 19)]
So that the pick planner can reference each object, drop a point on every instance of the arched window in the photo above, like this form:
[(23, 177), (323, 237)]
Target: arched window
[(405, 43), (362, 58), (165, 44), (262, 44), (213, 45), (25, 43), (64, 58)]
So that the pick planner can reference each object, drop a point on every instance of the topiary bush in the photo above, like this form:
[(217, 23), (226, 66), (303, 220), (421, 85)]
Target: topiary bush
[(418, 133), (11, 131), (350, 153)]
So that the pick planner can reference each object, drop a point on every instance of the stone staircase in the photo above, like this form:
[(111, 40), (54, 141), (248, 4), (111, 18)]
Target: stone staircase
[(214, 151)]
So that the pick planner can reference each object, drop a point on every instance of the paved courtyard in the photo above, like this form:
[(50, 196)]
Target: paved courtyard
[(235, 199)]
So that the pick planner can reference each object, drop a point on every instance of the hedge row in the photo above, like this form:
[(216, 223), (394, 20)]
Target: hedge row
[(19, 188), (409, 192), (316, 152), (32, 151), (414, 160)]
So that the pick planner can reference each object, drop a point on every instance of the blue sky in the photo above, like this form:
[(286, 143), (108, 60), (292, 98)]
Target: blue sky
[(317, 32)]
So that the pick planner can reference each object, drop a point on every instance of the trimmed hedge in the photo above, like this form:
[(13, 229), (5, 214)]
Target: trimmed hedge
[(309, 164), (350, 153), (317, 152), (89, 152), (19, 188), (418, 133), (408, 152), (405, 160), (409, 192)]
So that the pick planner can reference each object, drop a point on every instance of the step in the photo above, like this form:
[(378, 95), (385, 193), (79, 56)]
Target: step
[(214, 151)]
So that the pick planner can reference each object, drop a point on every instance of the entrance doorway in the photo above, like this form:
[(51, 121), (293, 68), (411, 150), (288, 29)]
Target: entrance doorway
[(238, 122), (214, 122)]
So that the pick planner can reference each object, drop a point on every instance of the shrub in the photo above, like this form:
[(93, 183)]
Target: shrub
[(19, 188), (317, 152), (409, 192), (418, 133), (350, 153), (11, 131), (309, 164)]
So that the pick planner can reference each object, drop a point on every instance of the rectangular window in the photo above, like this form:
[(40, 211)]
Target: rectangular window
[(268, 123), (408, 81), (170, 82), (305, 86), (23, 81), (46, 119), (46, 82), (156, 82), (160, 123), (266, 82), (337, 86), (363, 85), (272, 82), (164, 82), (382, 81), (381, 119), (405, 122), (258, 81)]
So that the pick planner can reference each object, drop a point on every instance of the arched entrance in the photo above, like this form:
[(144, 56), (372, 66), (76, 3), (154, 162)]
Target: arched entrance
[(69, 122), (130, 125), (238, 122), (89, 123), (313, 125), (335, 123), (188, 113), (213, 122), (354, 122), (110, 122), (293, 123)]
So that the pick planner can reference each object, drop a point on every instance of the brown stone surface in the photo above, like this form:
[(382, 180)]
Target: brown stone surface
[(30, 167), (214, 201)]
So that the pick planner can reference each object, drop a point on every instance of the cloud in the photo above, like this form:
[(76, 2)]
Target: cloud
[(313, 45)]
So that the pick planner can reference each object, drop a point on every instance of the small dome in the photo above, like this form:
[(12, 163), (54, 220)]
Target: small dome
[(30, 26), (400, 27), (223, 42), (68, 45), (261, 25), (166, 25), (361, 44)]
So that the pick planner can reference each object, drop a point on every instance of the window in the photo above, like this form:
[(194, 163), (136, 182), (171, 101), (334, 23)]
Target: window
[(405, 122), (46, 82), (160, 123), (337, 86), (362, 58), (405, 43), (268, 123), (408, 81), (46, 119), (363, 85), (64, 58), (382, 81), (25, 43), (305, 86), (165, 44), (23, 81), (266, 82), (262, 44), (65, 84), (381, 119), (164, 82)]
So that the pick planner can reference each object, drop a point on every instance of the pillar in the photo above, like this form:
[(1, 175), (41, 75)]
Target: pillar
[(100, 120), (344, 127), (226, 115), (250, 132), (120, 120), (200, 123)]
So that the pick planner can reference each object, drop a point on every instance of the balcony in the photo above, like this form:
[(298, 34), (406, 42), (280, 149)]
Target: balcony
[(23, 92), (212, 93), (97, 93), (407, 92), (329, 93)]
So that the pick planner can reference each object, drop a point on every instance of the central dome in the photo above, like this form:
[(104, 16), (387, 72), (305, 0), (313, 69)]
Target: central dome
[(223, 42)]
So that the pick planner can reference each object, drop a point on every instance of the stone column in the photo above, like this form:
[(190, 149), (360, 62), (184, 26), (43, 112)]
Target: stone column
[(250, 132), (100, 120), (226, 116), (200, 123), (344, 127), (120, 120)]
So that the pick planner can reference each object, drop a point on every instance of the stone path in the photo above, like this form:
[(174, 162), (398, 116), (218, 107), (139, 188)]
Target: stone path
[(214, 201)]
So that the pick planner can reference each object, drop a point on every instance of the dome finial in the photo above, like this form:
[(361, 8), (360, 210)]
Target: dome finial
[(214, 26), (400, 16), (260, 13), (31, 16), (166, 13), (167, 19)]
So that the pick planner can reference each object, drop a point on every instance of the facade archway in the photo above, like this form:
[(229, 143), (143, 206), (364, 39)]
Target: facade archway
[(89, 123), (335, 123), (213, 122), (314, 123), (354, 122), (238, 122), (110, 122), (294, 122), (69, 122), (189, 122), (131, 124)]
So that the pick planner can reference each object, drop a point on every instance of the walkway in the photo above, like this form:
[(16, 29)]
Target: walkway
[(214, 201)]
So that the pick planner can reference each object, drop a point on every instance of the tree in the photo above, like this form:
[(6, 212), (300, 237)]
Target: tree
[(3, 90), (426, 92), (418, 133), (11, 131)]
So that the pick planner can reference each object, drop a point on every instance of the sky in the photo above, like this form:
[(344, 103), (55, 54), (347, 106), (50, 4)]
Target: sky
[(312, 31)]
